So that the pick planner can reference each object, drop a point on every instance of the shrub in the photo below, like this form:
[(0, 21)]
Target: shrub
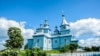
[(35, 52), (72, 47), (42, 53), (64, 49), (10, 53)]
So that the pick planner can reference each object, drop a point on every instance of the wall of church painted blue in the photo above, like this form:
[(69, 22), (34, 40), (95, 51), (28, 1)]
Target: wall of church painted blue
[(67, 31), (47, 44), (41, 41), (55, 42), (65, 40), (60, 41), (30, 43), (46, 30), (38, 41)]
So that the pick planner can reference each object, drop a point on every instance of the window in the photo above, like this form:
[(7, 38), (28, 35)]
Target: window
[(49, 41), (64, 27), (33, 40), (64, 40), (37, 40), (55, 41), (45, 41)]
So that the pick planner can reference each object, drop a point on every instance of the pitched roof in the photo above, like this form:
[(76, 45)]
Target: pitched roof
[(64, 22)]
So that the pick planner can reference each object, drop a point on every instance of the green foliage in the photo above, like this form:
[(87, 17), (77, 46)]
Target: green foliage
[(93, 48), (28, 52), (5, 53), (36, 49), (15, 38), (73, 47), (14, 43), (64, 48), (70, 47), (35, 52), (26, 46), (10, 53), (42, 53), (52, 51), (87, 49)]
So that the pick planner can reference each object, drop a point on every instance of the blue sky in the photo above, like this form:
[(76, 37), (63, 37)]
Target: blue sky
[(83, 15), (34, 11)]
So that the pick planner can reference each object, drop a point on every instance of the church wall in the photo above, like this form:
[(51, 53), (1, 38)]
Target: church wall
[(47, 44), (65, 40), (55, 42), (38, 42), (45, 30), (60, 41), (65, 31), (30, 43)]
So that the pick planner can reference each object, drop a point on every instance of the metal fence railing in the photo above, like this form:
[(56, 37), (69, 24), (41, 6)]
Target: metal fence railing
[(78, 54)]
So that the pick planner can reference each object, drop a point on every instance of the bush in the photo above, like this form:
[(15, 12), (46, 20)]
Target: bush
[(5, 53), (35, 52), (64, 49), (42, 53), (10, 53), (72, 47)]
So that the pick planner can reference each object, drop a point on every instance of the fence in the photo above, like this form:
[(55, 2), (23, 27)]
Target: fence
[(78, 54)]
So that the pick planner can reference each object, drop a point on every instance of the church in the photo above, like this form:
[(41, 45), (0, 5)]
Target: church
[(45, 40)]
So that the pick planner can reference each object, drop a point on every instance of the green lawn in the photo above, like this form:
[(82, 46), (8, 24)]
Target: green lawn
[(23, 52), (52, 52)]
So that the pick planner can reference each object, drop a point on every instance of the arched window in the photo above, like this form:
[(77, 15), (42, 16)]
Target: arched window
[(38, 40)]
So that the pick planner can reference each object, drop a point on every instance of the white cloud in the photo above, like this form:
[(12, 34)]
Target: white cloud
[(5, 24), (90, 42), (87, 28)]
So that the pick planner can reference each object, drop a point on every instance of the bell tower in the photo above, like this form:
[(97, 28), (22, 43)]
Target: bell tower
[(46, 27), (64, 27)]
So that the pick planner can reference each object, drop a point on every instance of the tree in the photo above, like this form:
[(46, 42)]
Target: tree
[(87, 49), (73, 47), (94, 48), (15, 38), (63, 49), (70, 47), (35, 52), (26, 46)]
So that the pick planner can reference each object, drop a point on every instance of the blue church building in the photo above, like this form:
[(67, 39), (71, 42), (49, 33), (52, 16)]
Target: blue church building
[(45, 40)]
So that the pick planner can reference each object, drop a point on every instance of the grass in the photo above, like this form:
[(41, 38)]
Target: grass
[(0, 53), (23, 52), (52, 52)]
